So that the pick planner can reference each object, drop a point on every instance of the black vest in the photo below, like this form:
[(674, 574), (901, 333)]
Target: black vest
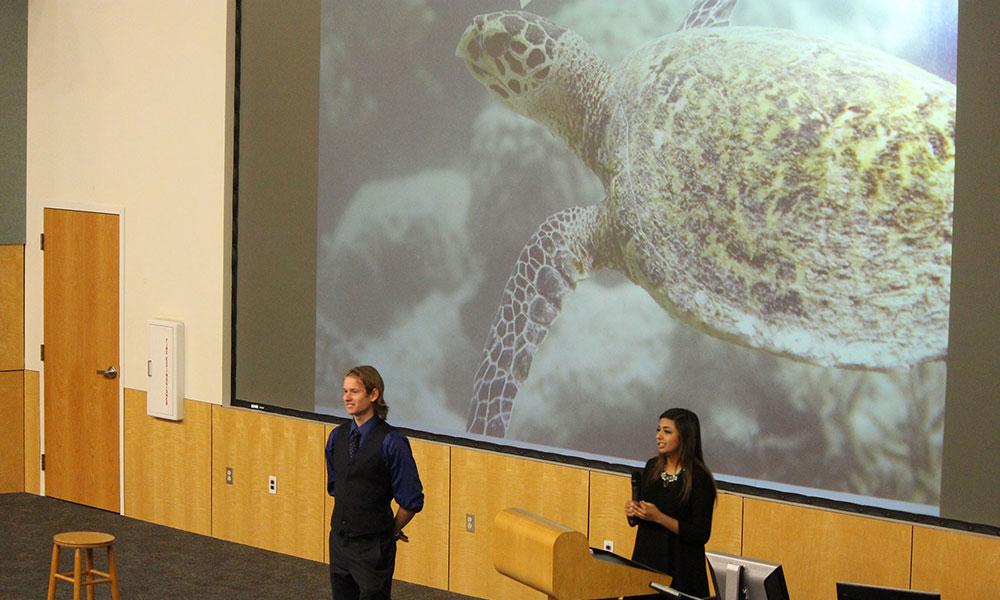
[(362, 486)]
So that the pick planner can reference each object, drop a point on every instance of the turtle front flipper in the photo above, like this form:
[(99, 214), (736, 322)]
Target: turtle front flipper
[(708, 13), (557, 256)]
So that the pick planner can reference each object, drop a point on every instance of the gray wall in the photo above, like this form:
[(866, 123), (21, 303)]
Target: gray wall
[(13, 118), (970, 480), (276, 206)]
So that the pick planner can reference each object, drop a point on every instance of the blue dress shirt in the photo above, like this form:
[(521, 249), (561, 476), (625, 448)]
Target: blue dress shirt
[(407, 490)]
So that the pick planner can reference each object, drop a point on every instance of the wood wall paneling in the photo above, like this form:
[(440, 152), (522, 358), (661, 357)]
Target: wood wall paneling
[(424, 559), (817, 548), (12, 381), (483, 483), (32, 433), (727, 525), (168, 465), (11, 431), (165, 480), (256, 446), (961, 566), (328, 501), (608, 494), (11, 307)]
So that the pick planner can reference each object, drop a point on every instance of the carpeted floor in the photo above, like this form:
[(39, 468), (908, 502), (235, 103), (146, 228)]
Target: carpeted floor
[(156, 562)]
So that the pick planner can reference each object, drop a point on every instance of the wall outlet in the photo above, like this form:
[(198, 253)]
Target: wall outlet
[(609, 545), (272, 484), (229, 475), (470, 522)]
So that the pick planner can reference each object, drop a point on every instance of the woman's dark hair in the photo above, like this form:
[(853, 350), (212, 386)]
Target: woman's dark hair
[(689, 430), (372, 380)]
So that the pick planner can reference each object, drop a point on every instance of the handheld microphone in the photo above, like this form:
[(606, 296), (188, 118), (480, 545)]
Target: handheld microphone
[(636, 484)]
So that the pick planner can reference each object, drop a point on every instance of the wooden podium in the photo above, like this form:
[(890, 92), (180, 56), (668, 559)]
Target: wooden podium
[(558, 561)]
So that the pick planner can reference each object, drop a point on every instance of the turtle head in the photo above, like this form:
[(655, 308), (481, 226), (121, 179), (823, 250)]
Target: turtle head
[(512, 53), (543, 71)]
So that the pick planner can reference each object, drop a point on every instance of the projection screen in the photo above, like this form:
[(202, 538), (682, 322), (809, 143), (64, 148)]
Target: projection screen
[(751, 220)]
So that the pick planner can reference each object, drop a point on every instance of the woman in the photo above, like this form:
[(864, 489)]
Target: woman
[(674, 511)]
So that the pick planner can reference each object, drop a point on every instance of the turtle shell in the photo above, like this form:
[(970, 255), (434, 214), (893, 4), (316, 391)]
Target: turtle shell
[(785, 192)]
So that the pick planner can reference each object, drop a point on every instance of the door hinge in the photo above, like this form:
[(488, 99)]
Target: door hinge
[(41, 241), (41, 352), (43, 462)]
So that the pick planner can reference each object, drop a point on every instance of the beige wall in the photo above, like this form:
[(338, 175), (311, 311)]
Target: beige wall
[(117, 124)]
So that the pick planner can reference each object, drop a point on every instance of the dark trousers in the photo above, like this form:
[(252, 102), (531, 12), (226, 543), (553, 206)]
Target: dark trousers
[(361, 567)]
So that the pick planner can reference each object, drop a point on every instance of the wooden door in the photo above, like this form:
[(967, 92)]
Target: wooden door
[(81, 338)]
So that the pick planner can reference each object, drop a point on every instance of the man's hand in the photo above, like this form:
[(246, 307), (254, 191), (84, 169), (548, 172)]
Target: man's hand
[(403, 517)]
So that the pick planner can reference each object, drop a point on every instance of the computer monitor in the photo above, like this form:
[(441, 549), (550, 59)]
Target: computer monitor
[(742, 578), (859, 591)]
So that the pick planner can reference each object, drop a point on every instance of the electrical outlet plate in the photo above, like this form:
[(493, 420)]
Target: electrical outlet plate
[(609, 545), (470, 522), (229, 475), (272, 484)]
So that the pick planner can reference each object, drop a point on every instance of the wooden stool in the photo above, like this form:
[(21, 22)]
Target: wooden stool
[(83, 540)]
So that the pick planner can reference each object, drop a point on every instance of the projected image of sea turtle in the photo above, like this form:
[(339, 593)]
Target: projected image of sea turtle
[(783, 192)]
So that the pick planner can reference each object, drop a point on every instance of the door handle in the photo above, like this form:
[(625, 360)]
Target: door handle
[(111, 372)]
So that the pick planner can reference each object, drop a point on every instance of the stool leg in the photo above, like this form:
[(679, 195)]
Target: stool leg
[(113, 573), (76, 574), (90, 574), (52, 573)]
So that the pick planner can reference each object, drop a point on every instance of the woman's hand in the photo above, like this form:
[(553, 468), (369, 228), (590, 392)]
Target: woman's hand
[(630, 507), (646, 511)]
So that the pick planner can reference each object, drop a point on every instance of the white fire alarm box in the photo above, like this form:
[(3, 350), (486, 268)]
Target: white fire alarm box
[(165, 397)]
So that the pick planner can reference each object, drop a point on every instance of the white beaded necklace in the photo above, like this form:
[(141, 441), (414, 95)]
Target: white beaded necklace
[(669, 478)]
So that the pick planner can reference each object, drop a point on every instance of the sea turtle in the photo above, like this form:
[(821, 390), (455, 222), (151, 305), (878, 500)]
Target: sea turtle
[(782, 192)]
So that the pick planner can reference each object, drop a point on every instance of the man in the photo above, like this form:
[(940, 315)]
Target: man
[(368, 464)]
